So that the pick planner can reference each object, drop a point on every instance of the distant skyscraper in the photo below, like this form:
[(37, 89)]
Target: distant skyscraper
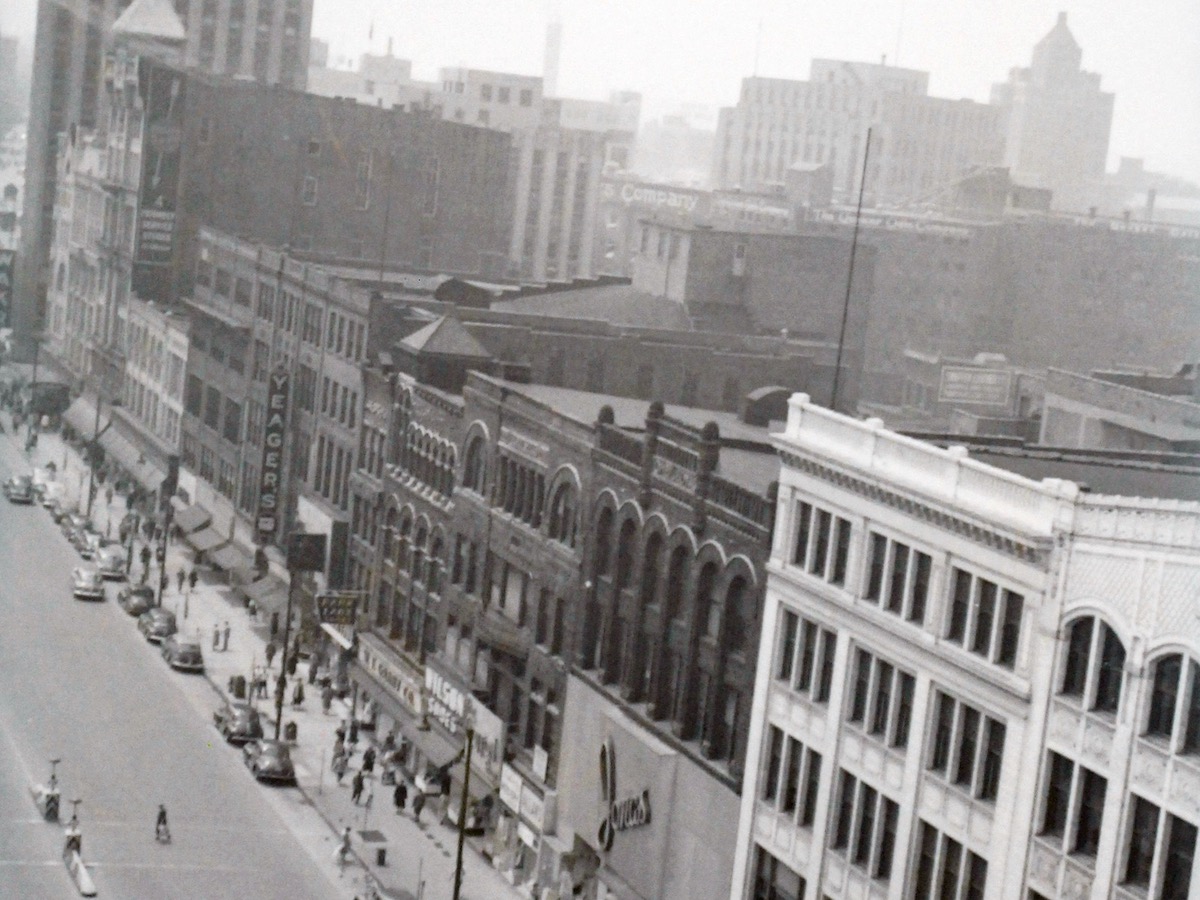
[(12, 101), (919, 143), (264, 40), (1057, 121)]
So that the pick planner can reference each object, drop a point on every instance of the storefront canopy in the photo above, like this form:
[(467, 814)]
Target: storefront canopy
[(192, 518), (206, 539), (81, 415), (230, 557), (148, 475)]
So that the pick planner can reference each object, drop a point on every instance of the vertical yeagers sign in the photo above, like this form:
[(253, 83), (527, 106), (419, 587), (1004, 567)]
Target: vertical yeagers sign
[(270, 486)]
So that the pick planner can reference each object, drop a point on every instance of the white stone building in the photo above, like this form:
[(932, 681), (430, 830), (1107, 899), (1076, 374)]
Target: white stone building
[(970, 684)]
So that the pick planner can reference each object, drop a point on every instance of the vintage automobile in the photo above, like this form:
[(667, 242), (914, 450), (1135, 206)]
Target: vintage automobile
[(269, 761), (87, 584), (157, 624), (238, 723), (183, 653)]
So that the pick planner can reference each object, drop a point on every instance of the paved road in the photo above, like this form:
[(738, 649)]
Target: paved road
[(77, 681)]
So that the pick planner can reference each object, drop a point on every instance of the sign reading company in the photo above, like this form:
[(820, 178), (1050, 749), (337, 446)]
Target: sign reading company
[(270, 485), (650, 197), (617, 813), (403, 685)]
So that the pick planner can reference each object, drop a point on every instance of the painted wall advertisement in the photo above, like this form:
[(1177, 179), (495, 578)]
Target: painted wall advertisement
[(162, 92), (965, 384), (270, 486)]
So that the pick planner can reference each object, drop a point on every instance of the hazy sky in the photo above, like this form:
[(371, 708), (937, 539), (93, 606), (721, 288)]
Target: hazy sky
[(1148, 53)]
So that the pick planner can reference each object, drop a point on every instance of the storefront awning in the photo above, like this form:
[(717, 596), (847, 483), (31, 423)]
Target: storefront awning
[(192, 518), (81, 415), (275, 601), (266, 585), (230, 557), (149, 475), (206, 539), (338, 638)]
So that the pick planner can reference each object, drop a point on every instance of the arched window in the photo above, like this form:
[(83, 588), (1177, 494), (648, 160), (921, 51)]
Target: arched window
[(403, 537), (562, 514), (676, 584), (474, 477), (391, 550), (708, 603), (602, 559), (736, 614), (1094, 665), (418, 555), (625, 554), (1174, 709), (433, 578)]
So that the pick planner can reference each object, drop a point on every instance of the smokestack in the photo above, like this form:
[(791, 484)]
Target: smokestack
[(550, 63), (1151, 196)]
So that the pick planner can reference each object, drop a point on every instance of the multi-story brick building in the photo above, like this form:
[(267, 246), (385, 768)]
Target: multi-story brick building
[(970, 684)]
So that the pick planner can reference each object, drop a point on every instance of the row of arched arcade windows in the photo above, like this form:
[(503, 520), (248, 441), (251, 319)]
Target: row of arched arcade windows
[(651, 648), (1093, 673), (409, 546), (429, 458)]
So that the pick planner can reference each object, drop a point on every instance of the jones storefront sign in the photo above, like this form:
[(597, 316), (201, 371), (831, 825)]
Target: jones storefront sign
[(617, 813), (271, 481)]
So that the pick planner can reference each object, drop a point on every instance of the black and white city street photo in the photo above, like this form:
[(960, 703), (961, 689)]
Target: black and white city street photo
[(599, 450)]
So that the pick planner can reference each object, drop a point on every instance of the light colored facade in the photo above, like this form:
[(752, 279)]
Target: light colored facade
[(1057, 122), (919, 143), (1098, 412), (970, 684)]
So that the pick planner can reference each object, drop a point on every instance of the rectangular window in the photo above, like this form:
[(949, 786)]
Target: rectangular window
[(822, 543), (775, 881), (985, 619), (1091, 812), (774, 764), (898, 578), (1058, 795), (789, 630), (946, 870), (866, 826), (1181, 856), (882, 698), (1143, 834)]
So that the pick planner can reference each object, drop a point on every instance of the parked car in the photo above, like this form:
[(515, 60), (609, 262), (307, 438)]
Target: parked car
[(269, 761), (74, 521), (84, 541), (156, 624), (87, 583), (19, 489), (183, 653), (111, 561), (53, 491), (41, 478), (60, 509), (238, 723), (136, 599)]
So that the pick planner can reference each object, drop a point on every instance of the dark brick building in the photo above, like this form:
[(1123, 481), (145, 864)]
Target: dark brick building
[(338, 179)]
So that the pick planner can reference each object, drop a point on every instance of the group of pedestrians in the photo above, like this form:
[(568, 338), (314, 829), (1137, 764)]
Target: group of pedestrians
[(362, 781)]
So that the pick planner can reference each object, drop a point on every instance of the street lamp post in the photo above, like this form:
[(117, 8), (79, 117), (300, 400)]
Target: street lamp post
[(92, 456), (287, 629)]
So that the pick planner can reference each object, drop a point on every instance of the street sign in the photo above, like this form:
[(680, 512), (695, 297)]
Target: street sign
[(338, 609)]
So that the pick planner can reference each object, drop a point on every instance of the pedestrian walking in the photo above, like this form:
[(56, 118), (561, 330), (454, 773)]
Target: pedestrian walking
[(339, 745), (192, 577), (298, 693), (341, 853), (216, 636), (145, 555), (108, 494), (180, 577), (400, 795), (356, 787), (340, 731), (270, 651), (225, 637), (368, 762), (252, 609), (339, 766), (260, 681), (280, 689), (326, 699), (418, 805)]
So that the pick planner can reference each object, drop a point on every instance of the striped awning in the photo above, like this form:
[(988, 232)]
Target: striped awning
[(192, 518)]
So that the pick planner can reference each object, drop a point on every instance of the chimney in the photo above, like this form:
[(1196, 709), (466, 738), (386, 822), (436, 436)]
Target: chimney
[(1151, 196)]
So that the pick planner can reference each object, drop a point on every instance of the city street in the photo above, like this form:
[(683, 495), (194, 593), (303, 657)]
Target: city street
[(80, 683)]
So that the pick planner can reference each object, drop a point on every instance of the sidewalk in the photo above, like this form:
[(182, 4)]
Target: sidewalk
[(414, 852)]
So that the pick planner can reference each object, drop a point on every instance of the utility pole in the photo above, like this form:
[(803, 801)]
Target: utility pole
[(283, 658), (462, 812), (92, 453)]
